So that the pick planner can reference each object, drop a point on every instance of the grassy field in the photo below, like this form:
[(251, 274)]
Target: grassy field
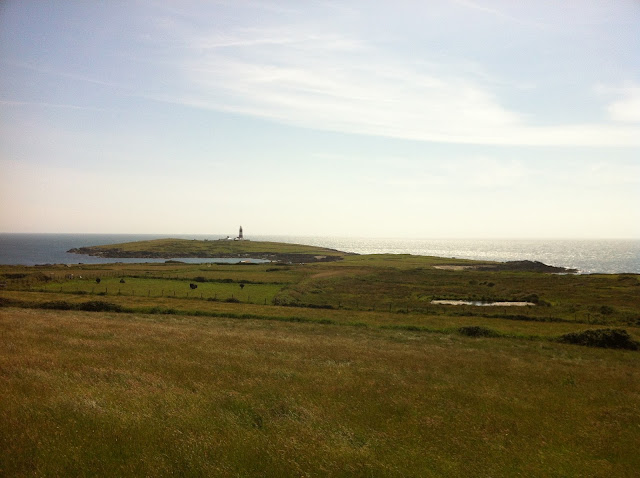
[(133, 394), (196, 248), (325, 369)]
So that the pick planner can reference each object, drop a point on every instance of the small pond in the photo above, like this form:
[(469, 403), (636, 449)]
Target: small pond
[(481, 303)]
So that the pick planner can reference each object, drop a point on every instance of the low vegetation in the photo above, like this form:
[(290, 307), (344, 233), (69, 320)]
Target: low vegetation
[(339, 368), (607, 338)]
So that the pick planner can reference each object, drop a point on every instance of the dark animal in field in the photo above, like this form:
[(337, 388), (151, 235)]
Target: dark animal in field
[(98, 280), (122, 281), (193, 286)]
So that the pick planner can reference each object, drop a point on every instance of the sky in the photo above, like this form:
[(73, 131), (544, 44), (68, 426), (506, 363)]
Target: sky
[(408, 119)]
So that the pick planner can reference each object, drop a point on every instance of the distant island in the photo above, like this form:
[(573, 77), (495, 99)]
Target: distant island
[(186, 248), (271, 251)]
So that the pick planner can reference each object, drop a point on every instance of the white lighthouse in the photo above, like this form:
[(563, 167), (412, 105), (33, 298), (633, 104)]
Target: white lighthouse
[(240, 237)]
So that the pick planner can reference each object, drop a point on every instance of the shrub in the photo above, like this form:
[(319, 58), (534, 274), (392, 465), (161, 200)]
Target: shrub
[(232, 300), (91, 306), (100, 306), (477, 331), (531, 298), (14, 276), (4, 302), (606, 338), (607, 310)]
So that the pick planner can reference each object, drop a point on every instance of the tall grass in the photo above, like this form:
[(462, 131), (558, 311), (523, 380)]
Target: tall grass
[(132, 394)]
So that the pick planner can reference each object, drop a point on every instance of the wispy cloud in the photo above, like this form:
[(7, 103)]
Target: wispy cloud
[(51, 105), (497, 13), (315, 77)]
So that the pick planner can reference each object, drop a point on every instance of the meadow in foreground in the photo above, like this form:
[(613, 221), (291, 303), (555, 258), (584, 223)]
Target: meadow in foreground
[(88, 393)]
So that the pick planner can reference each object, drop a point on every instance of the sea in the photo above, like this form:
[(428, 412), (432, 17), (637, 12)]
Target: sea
[(611, 256)]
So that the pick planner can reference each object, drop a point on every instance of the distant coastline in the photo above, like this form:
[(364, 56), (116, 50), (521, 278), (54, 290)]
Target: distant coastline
[(588, 256)]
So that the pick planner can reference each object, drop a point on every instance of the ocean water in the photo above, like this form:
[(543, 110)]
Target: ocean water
[(588, 256)]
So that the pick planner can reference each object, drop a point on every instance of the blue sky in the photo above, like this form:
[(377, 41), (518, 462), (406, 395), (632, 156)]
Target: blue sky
[(446, 118)]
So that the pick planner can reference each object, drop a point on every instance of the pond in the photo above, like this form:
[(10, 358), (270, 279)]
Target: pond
[(481, 303)]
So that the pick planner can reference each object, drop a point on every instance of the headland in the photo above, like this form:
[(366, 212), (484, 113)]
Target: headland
[(185, 248)]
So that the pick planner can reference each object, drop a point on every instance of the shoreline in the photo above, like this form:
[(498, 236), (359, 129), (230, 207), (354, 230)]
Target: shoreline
[(619, 256)]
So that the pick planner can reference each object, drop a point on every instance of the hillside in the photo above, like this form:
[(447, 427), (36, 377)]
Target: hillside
[(176, 248)]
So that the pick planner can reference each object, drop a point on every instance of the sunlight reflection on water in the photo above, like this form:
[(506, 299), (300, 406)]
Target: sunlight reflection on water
[(588, 256)]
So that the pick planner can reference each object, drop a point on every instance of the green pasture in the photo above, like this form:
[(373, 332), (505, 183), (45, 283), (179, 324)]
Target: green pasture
[(131, 394), (109, 286), (386, 283), (235, 272), (605, 299), (443, 322)]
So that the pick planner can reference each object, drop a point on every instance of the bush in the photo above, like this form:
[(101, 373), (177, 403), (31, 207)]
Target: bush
[(232, 300), (100, 306), (607, 310), (531, 298), (4, 302), (477, 331), (606, 338), (14, 276)]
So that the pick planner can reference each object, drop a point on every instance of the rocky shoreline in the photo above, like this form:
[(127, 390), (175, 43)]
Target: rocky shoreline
[(269, 256), (527, 266)]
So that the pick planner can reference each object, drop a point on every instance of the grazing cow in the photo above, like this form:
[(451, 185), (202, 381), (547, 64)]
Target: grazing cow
[(122, 281), (98, 280), (193, 286)]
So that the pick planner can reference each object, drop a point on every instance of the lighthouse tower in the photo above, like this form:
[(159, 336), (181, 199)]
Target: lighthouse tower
[(240, 234)]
